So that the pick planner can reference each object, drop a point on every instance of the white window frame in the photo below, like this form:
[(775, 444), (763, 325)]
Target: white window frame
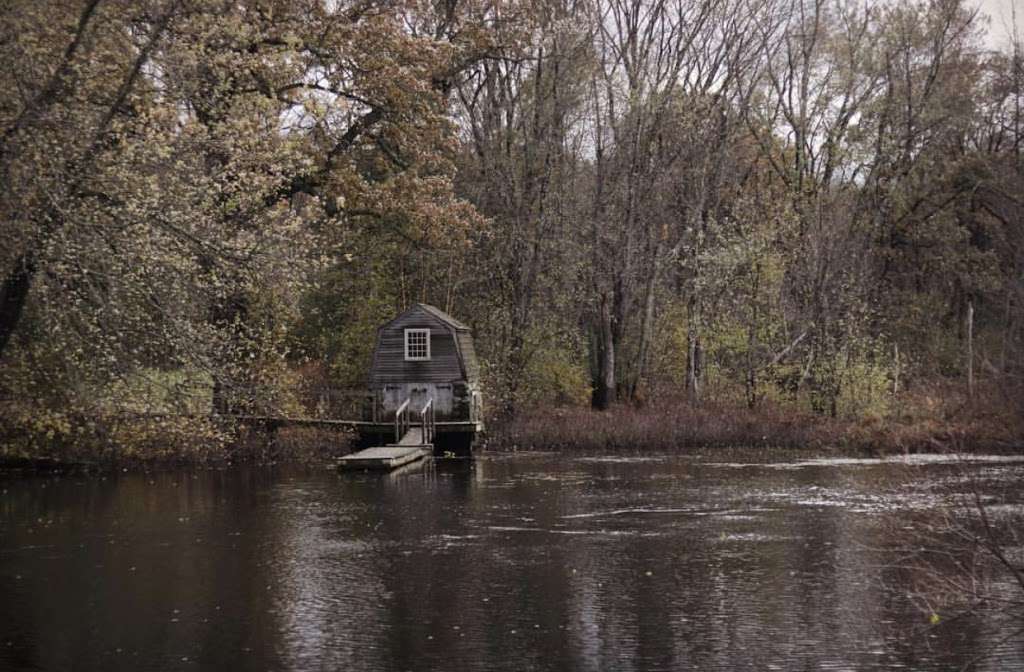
[(425, 333)]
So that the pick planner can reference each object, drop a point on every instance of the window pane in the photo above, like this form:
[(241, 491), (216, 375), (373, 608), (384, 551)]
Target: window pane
[(417, 344)]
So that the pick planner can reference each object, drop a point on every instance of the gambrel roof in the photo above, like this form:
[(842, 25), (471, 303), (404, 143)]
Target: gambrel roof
[(453, 355)]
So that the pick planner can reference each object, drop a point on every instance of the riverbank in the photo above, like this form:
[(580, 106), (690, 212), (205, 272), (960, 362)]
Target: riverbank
[(920, 426), (923, 423), (107, 443)]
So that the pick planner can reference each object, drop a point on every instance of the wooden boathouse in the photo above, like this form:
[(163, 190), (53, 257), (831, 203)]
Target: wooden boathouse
[(424, 382)]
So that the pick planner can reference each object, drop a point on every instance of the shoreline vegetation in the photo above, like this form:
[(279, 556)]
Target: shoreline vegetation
[(940, 421), (680, 426), (128, 442)]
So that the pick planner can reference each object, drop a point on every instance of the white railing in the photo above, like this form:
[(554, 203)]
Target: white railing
[(427, 422), (401, 420)]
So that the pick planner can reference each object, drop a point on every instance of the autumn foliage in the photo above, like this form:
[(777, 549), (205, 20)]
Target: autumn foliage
[(793, 214)]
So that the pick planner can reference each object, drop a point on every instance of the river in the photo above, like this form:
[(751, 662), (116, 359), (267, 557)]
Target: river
[(715, 560)]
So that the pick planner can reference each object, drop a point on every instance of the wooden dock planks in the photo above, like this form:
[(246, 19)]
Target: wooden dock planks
[(382, 457), (413, 437), (409, 449)]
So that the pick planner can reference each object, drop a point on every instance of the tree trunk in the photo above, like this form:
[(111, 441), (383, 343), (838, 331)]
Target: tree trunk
[(514, 373), (751, 378), (970, 348), (751, 381), (1007, 331), (693, 355), (693, 367), (12, 298), (604, 390), (229, 315), (646, 326), (896, 368), (218, 399)]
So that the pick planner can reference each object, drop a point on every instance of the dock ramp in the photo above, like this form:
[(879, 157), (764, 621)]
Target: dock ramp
[(412, 442)]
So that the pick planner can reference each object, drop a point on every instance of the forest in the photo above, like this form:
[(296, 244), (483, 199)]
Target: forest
[(787, 218)]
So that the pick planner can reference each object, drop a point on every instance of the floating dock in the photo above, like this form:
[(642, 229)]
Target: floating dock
[(382, 457), (409, 449)]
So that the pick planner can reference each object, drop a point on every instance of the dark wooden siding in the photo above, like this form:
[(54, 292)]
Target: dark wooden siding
[(389, 364)]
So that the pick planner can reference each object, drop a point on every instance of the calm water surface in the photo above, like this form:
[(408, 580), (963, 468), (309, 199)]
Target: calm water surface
[(718, 561)]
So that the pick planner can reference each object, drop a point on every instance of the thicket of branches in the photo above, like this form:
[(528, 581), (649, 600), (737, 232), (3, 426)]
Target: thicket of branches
[(808, 200), (210, 204)]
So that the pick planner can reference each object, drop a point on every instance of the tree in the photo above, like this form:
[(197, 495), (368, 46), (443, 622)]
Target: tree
[(522, 167), (664, 98), (177, 166)]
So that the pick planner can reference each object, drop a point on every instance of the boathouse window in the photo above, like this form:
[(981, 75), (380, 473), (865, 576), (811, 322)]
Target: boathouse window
[(417, 344)]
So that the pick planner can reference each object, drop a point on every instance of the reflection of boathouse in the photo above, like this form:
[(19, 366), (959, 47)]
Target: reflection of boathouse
[(424, 355)]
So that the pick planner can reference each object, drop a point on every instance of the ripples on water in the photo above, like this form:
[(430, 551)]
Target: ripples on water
[(721, 561)]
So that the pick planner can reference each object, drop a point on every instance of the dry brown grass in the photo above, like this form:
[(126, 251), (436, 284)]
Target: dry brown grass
[(663, 427), (929, 420)]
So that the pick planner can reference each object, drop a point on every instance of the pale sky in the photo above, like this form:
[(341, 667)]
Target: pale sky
[(1001, 14)]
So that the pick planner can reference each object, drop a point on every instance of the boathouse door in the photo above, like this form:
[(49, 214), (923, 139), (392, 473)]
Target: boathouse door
[(418, 397)]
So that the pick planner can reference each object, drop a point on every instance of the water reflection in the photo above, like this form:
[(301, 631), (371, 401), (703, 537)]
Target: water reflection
[(505, 563)]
